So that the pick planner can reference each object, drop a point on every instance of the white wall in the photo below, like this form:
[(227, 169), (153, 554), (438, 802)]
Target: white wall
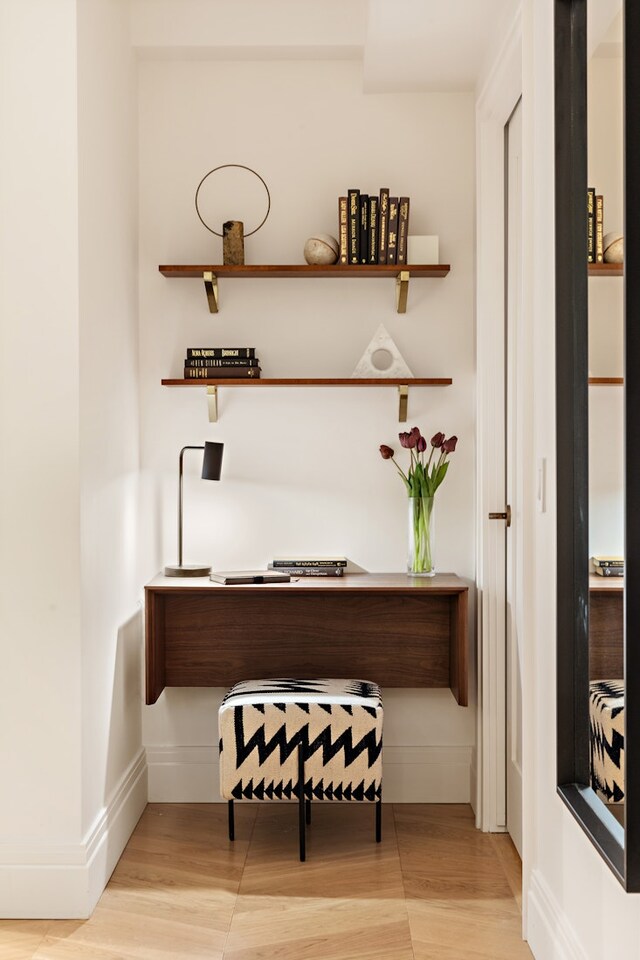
[(606, 463), (302, 470), (113, 777), (70, 679), (575, 908)]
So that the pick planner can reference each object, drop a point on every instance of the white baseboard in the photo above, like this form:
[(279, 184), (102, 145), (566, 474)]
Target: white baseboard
[(411, 774), (549, 933), (65, 881)]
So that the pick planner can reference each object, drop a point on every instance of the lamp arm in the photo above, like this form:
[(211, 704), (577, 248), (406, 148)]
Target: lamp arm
[(180, 485)]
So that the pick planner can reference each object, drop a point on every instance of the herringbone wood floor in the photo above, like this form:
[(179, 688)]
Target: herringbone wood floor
[(434, 888)]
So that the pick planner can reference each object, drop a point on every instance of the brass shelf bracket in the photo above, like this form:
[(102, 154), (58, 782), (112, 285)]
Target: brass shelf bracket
[(402, 291), (211, 289), (212, 401), (403, 397)]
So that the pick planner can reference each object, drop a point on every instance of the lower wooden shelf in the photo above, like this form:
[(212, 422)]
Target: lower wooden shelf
[(402, 385)]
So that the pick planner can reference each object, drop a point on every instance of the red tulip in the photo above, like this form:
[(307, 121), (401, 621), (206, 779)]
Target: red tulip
[(386, 452), (437, 440), (408, 440), (449, 445), (415, 432), (422, 444)]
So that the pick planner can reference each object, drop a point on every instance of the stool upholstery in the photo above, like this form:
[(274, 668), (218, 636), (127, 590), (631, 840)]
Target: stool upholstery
[(327, 734), (606, 727)]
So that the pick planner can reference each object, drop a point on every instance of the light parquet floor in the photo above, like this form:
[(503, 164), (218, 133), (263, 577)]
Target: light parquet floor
[(434, 888)]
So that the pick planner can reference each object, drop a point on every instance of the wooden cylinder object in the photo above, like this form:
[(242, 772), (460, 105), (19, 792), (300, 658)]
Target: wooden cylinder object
[(233, 242)]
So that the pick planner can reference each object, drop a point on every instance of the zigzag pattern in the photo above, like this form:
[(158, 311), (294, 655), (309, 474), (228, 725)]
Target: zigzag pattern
[(338, 731), (330, 748), (606, 727)]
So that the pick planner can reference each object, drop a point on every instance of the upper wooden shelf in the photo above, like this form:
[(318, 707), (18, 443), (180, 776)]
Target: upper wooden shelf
[(606, 381), (606, 269), (305, 270), (401, 273)]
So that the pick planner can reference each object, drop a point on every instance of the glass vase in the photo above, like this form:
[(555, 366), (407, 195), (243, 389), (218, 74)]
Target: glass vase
[(421, 537)]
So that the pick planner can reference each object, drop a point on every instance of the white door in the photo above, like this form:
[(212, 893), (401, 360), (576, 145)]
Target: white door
[(513, 460)]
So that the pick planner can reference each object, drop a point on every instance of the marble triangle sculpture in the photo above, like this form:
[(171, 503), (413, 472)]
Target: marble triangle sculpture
[(382, 359)]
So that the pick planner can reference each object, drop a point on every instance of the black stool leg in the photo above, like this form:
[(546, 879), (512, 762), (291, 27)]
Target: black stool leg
[(378, 821), (308, 803), (232, 830), (301, 803)]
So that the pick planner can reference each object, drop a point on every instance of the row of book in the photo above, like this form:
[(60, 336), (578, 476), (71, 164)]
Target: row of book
[(218, 363), (608, 566), (309, 566), (373, 228), (595, 226)]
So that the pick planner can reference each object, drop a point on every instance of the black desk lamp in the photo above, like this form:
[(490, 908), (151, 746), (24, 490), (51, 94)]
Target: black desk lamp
[(211, 469)]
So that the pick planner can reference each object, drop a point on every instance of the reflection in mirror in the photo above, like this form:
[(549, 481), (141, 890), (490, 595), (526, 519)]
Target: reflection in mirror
[(604, 206)]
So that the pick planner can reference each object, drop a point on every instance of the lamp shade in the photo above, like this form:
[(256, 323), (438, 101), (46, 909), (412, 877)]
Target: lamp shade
[(212, 460)]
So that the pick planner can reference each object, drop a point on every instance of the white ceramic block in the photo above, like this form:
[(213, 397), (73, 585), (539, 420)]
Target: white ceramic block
[(423, 250)]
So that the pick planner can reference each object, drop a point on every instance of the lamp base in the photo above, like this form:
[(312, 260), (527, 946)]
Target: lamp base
[(187, 570)]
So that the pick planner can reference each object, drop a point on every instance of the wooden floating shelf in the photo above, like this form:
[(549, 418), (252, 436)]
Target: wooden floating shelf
[(606, 269), (400, 272), (606, 381), (263, 271), (401, 384), (313, 382)]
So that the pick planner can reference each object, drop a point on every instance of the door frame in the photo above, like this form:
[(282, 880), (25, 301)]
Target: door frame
[(496, 102)]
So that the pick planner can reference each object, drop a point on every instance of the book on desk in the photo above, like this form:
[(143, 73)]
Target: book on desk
[(249, 576)]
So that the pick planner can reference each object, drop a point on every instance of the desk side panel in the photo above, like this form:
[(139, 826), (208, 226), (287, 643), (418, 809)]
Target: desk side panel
[(459, 672), (220, 638), (154, 644), (606, 647)]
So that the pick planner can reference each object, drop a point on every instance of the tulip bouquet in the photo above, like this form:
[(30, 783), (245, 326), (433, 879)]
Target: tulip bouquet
[(422, 479)]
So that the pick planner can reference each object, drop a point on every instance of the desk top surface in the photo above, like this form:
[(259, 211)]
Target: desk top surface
[(444, 583), (598, 584)]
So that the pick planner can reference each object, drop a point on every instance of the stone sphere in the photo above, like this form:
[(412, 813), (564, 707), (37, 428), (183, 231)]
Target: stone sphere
[(321, 249), (613, 248)]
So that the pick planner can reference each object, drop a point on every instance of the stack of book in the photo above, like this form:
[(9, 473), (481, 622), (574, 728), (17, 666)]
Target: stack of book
[(217, 363), (373, 228), (595, 226), (608, 566), (310, 566)]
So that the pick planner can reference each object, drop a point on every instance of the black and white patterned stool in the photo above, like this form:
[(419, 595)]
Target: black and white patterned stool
[(606, 728), (301, 739)]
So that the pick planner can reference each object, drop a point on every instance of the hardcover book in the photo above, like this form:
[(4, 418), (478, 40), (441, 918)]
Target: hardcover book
[(403, 230), (383, 224), (392, 243), (610, 571), (374, 203), (311, 571), (606, 561), (599, 228), (222, 373), (591, 225), (309, 562), (353, 225), (249, 576), (343, 217), (218, 362), (364, 227), (220, 352)]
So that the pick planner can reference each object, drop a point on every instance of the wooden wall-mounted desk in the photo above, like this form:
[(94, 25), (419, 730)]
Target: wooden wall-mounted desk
[(606, 627), (395, 630)]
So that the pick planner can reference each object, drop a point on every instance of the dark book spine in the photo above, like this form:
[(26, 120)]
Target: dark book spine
[(599, 228), (222, 373), (363, 211), (312, 571), (392, 247), (220, 352), (278, 564), (403, 229), (383, 224), (226, 362), (373, 229), (353, 226), (343, 216), (610, 571), (608, 563), (591, 225)]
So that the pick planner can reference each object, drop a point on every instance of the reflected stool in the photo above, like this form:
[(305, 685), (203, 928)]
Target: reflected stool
[(606, 735), (308, 740)]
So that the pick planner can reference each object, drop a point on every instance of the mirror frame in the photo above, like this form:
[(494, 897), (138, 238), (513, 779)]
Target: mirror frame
[(619, 846)]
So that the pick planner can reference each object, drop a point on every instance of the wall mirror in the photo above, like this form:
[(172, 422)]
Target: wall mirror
[(598, 433)]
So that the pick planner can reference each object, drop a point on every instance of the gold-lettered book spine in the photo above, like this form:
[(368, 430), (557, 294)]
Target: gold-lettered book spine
[(343, 217)]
